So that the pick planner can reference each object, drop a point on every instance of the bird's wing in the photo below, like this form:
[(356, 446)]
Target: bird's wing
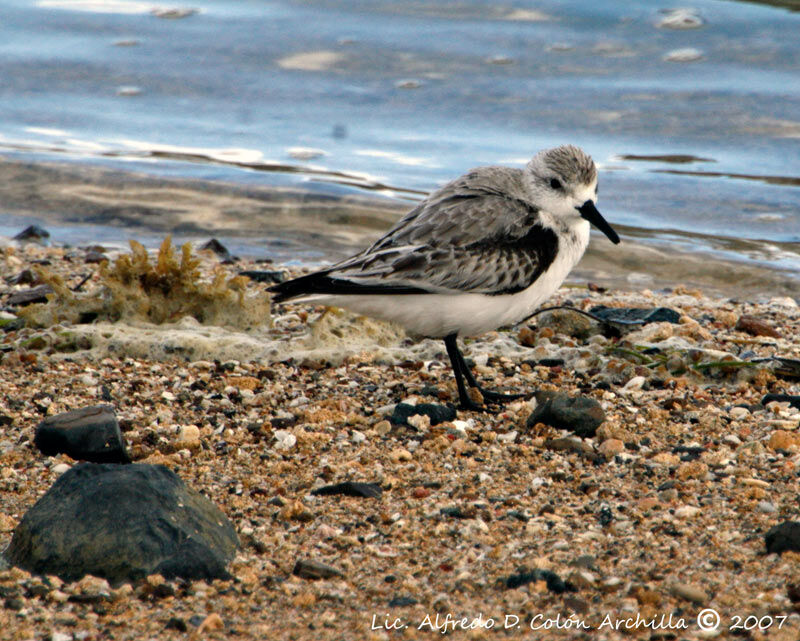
[(454, 251), (472, 235)]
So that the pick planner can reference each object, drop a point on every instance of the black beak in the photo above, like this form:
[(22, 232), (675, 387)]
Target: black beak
[(590, 213)]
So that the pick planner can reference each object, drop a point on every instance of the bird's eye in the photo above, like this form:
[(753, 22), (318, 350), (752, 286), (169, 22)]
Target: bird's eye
[(555, 183)]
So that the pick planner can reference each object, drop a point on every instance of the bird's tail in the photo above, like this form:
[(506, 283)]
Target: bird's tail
[(316, 283)]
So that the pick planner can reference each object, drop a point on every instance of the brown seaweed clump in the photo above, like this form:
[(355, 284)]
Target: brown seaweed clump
[(134, 289)]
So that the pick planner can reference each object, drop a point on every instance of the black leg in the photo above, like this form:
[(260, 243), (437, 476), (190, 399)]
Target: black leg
[(460, 370), (489, 396)]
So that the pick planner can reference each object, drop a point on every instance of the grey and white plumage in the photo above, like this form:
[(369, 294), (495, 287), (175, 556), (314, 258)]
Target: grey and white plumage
[(481, 252)]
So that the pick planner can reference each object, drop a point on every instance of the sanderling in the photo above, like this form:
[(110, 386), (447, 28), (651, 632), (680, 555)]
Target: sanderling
[(480, 253)]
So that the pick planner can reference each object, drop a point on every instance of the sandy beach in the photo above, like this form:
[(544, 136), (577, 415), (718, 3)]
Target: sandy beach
[(486, 526)]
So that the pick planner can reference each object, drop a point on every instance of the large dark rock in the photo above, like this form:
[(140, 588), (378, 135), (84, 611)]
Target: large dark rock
[(579, 414), (123, 522), (86, 434)]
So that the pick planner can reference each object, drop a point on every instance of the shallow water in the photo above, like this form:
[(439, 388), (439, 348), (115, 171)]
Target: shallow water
[(693, 116)]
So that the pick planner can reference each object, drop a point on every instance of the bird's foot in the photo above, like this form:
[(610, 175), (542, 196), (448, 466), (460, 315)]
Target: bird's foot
[(498, 398)]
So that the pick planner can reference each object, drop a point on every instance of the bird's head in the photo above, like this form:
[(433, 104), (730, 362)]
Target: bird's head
[(563, 182)]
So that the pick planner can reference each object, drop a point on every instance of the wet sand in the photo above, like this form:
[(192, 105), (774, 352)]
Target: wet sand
[(660, 515)]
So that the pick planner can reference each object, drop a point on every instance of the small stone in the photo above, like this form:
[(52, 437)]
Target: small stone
[(783, 440), (692, 470), (314, 570), (436, 413), (88, 434), (738, 413), (636, 383), (60, 468), (383, 428), (783, 537), (689, 592), (284, 440), (350, 488), (189, 439), (687, 511), (756, 327), (767, 507), (568, 323), (580, 414), (400, 455), (611, 447)]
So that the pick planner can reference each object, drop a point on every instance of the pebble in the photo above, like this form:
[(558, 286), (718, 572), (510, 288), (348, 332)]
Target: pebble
[(400, 455), (383, 428), (689, 592), (687, 511), (60, 468), (579, 414), (738, 413), (611, 447), (767, 507), (634, 384), (756, 327), (285, 440)]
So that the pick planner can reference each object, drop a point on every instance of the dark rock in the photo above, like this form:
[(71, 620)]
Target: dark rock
[(314, 570), (217, 247), (437, 413), (25, 277), (554, 582), (122, 523), (28, 296), (86, 434), (402, 602), (643, 315), (688, 453), (350, 488), (783, 537), (94, 257), (176, 623), (264, 276), (33, 233), (580, 414), (794, 401)]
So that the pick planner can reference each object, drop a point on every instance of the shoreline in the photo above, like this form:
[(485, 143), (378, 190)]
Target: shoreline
[(664, 508)]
